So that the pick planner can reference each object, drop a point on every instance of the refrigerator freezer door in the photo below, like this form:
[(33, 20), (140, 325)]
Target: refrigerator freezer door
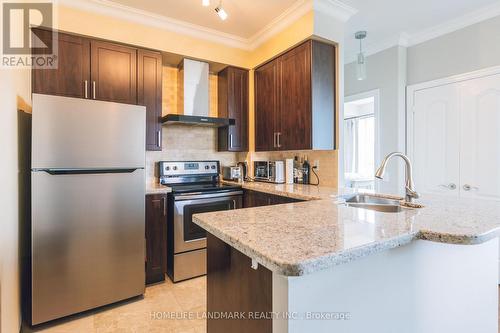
[(87, 241), (75, 133)]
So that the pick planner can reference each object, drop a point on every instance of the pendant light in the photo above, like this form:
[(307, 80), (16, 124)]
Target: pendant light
[(205, 3), (361, 60)]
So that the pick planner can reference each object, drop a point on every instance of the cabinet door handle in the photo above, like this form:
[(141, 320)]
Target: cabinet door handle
[(164, 206), (278, 135), (86, 89), (230, 141), (93, 89), (158, 138)]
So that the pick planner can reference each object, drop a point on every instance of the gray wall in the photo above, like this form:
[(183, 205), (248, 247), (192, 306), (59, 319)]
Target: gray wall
[(465, 50), (386, 71)]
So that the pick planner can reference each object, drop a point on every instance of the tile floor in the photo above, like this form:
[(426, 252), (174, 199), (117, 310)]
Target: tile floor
[(137, 315), (141, 314)]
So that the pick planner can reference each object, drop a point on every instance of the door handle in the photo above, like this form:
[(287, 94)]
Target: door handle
[(230, 141), (93, 89), (279, 139), (450, 186), (164, 206), (158, 138), (468, 187), (86, 89)]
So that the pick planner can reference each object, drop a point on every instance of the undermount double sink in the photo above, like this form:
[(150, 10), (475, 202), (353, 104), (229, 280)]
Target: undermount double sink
[(374, 203)]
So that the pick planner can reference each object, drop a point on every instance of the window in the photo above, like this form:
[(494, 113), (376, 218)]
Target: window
[(359, 143)]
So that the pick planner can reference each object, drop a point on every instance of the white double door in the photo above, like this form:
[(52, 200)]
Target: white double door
[(454, 138)]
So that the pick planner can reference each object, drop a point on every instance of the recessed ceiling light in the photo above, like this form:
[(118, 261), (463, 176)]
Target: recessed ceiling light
[(205, 3), (221, 12)]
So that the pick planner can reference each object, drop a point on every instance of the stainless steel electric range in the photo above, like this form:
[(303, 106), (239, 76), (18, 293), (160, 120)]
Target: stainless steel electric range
[(195, 189)]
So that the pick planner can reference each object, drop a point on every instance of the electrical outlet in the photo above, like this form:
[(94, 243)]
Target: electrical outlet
[(316, 164)]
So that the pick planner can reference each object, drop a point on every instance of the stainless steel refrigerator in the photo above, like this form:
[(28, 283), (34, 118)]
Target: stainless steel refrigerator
[(88, 188)]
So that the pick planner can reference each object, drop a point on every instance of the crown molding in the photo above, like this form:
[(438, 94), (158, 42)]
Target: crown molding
[(461, 22), (407, 40), (113, 9), (335, 8), (294, 12)]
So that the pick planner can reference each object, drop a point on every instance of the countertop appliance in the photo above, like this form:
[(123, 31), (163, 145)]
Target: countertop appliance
[(244, 169), (87, 202), (231, 173), (195, 189), (269, 171)]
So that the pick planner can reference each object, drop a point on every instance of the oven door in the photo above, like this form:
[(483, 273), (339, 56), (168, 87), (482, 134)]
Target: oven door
[(189, 236)]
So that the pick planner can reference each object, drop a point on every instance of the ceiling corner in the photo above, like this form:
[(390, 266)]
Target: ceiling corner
[(292, 14), (335, 8)]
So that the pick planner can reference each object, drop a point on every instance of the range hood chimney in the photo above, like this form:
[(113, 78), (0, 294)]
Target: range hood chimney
[(193, 97)]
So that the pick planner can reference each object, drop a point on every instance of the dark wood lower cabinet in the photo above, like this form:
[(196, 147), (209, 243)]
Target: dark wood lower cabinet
[(258, 199), (156, 237), (234, 287)]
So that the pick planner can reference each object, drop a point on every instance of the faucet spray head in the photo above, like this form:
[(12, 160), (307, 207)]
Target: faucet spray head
[(380, 172)]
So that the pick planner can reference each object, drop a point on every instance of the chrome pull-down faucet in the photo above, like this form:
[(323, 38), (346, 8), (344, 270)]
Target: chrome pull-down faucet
[(409, 185)]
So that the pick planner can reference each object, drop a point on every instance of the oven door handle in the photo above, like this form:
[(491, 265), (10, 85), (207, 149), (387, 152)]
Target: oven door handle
[(201, 195)]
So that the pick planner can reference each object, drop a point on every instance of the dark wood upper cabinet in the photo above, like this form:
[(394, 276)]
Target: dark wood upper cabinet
[(72, 76), (294, 114), (233, 103), (156, 237), (107, 71), (113, 72), (149, 92), (266, 106), (295, 100)]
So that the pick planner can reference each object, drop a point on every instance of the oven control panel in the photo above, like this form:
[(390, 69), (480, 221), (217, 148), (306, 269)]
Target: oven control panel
[(189, 168)]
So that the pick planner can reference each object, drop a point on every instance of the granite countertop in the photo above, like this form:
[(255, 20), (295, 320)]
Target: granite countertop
[(155, 188), (300, 238)]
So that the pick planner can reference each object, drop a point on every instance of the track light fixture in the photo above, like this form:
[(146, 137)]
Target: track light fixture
[(221, 12)]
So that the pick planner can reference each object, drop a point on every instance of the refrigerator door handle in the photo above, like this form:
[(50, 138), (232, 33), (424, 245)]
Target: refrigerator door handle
[(56, 172)]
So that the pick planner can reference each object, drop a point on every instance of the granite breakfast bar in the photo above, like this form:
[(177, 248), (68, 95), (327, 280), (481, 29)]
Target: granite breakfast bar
[(320, 266)]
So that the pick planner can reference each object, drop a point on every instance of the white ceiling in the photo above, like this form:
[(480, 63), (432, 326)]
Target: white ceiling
[(388, 20), (246, 17), (250, 22)]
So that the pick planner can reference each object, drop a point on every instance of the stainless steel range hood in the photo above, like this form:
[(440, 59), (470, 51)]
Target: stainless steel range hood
[(193, 97), (180, 119)]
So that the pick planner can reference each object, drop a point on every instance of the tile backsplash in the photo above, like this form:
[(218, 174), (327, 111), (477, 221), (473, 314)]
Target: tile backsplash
[(328, 160), (182, 143)]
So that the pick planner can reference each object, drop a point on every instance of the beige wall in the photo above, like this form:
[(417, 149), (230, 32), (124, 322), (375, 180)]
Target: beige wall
[(14, 95)]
